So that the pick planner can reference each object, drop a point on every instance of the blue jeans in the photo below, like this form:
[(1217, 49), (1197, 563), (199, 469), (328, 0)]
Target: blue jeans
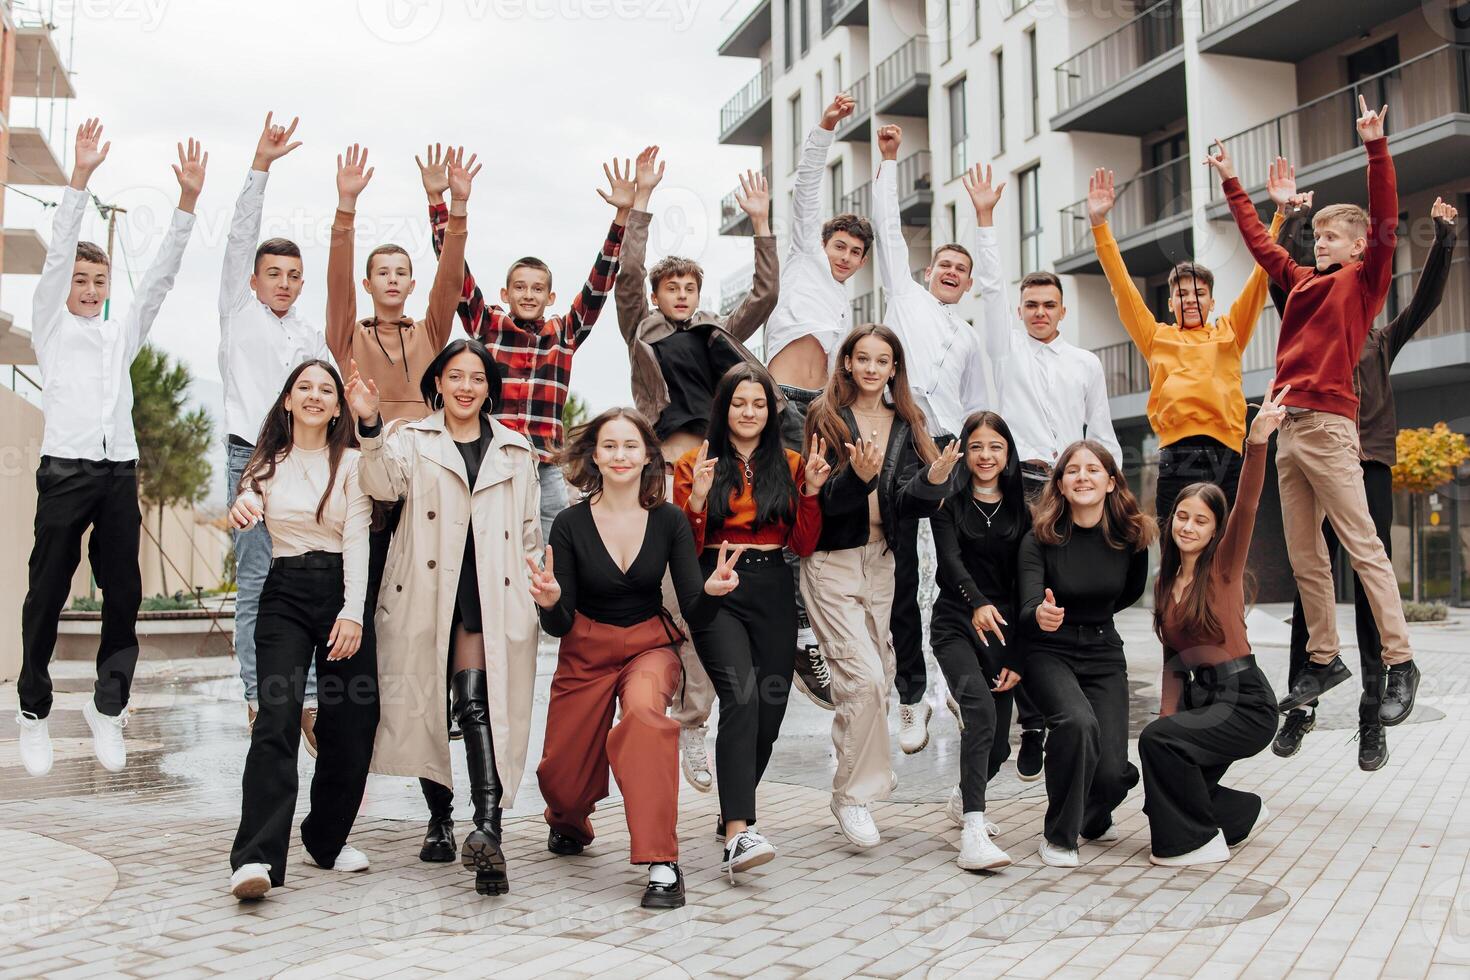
[(553, 496), (252, 564)]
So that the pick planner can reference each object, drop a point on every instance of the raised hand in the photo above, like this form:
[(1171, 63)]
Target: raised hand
[(344, 640), (362, 396), (545, 589), (890, 138), (1101, 195), (461, 174), (190, 173), (1299, 203), (941, 468), (983, 194), (817, 468), (622, 187), (704, 478), (275, 142), (987, 619), (1049, 615), (1281, 182), (1220, 162), (842, 106), (648, 170), (1008, 679), (1370, 123), (1269, 418), (353, 174), (866, 458), (1443, 211), (754, 198), (89, 154), (724, 580), (434, 172), (247, 511)]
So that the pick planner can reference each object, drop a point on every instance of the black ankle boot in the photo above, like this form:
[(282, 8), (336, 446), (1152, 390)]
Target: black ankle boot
[(481, 850), (439, 838)]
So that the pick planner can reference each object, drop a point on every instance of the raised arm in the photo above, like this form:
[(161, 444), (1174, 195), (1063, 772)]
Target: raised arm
[(234, 289), (1137, 319), (477, 318), (48, 302), (587, 305), (1235, 542), (694, 506), (353, 175), (450, 276), (889, 244), (159, 279), (387, 458), (996, 329), (1245, 312), (754, 198), (1383, 206), (1432, 278), (1268, 255), (806, 195), (630, 290)]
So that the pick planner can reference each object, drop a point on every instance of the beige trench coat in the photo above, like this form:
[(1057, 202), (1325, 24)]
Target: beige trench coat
[(417, 462)]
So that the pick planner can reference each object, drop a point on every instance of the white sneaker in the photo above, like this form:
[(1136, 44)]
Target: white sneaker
[(955, 810), (746, 850), (977, 853), (107, 740), (694, 758), (348, 859), (1058, 857), (1214, 852), (913, 726), (857, 825), (1107, 836), (250, 881), (35, 743)]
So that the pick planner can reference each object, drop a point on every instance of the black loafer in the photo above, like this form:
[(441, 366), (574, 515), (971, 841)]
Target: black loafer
[(559, 843), (657, 896), (1398, 693), (1314, 681), (1372, 748)]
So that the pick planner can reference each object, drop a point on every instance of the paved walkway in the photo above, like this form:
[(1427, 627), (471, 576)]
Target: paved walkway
[(1356, 874)]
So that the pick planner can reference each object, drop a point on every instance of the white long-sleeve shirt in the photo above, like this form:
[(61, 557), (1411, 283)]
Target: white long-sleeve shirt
[(812, 303), (257, 349), (1052, 395), (946, 370), (87, 392)]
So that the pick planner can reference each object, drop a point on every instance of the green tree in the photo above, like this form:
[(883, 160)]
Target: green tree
[(574, 412), (173, 443)]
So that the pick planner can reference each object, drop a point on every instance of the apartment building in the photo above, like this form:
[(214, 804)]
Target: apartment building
[(1047, 90)]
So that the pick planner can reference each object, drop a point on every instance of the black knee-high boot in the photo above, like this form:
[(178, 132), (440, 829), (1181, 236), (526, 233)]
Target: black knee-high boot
[(481, 849), (439, 838)]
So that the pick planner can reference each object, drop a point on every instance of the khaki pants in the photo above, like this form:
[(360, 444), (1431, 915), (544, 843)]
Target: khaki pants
[(1317, 464), (849, 600)]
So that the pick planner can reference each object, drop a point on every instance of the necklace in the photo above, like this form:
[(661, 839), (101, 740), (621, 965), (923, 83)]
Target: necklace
[(990, 516), (986, 493), (745, 466)]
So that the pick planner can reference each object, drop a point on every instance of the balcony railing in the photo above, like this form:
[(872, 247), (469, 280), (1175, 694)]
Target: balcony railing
[(1124, 369), (1151, 34), (1147, 199), (865, 308), (1217, 13), (858, 125), (1453, 314), (858, 201), (1416, 91), (734, 288), (733, 220), (840, 13), (744, 102), (915, 178), (901, 76)]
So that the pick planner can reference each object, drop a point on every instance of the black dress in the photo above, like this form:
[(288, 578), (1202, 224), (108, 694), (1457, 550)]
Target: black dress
[(467, 594)]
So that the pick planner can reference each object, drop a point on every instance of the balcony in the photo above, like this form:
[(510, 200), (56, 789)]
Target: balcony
[(865, 308), (15, 348), (915, 188), (1152, 222), (858, 127), (1124, 369), (1289, 30), (734, 289), (1013, 7), (746, 119), (903, 80), (858, 201), (1130, 82), (1428, 128), (39, 72), (752, 34), (734, 221), (32, 161), (25, 252), (843, 13)]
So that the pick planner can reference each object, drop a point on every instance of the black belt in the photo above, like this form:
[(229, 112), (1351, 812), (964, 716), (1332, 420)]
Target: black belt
[(749, 558), (1218, 672), (235, 440), (322, 560)]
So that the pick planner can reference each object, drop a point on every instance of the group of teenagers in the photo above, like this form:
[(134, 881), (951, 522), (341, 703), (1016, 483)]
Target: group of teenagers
[(403, 533)]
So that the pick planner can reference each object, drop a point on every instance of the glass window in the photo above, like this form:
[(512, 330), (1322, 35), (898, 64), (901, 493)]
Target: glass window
[(1000, 102), (797, 135), (1030, 185), (806, 33), (959, 130), (839, 187), (1033, 114)]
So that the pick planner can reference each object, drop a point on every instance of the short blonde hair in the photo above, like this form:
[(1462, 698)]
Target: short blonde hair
[(1349, 216)]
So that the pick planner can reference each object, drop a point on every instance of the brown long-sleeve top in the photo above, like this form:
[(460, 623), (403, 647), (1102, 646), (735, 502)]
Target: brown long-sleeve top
[(394, 355), (1226, 591)]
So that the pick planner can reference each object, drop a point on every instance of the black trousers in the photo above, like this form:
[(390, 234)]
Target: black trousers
[(298, 607), (1079, 679), (1194, 459), (970, 669), (748, 651), (1223, 719), (911, 677), (793, 436), (1378, 481), (1028, 715), (71, 496)]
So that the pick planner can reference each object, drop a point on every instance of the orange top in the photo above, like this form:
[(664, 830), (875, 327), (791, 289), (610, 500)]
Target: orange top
[(738, 528)]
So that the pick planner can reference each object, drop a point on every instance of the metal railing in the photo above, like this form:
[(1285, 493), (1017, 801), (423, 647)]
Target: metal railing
[(902, 66), (836, 11), (1124, 369), (731, 214), (745, 101), (865, 308), (858, 201), (1453, 313), (1218, 13), (1142, 201), (1155, 32), (1416, 91), (861, 107), (915, 174)]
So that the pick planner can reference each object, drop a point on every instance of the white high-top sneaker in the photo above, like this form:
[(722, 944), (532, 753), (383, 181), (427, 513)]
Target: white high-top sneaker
[(955, 810), (977, 851), (694, 757), (913, 726), (35, 743), (107, 738)]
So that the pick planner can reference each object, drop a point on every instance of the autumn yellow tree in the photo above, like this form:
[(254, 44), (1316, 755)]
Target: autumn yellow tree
[(1427, 459)]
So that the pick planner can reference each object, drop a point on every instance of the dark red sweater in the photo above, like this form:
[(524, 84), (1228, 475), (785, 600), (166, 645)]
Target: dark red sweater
[(1328, 314)]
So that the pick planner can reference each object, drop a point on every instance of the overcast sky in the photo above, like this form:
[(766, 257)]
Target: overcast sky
[(543, 90)]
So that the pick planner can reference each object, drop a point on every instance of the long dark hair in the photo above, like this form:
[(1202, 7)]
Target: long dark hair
[(576, 457), (440, 363), (1197, 618), (1124, 525), (274, 443), (1011, 484), (824, 417), (773, 486)]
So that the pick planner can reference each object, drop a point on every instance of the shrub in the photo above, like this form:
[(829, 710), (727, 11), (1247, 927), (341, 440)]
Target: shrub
[(1426, 612)]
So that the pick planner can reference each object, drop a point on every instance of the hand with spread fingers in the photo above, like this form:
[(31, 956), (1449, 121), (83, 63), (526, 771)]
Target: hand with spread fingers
[(865, 458), (942, 468), (434, 172), (648, 170), (724, 579), (545, 589), (1102, 194), (190, 173), (362, 396), (622, 187)]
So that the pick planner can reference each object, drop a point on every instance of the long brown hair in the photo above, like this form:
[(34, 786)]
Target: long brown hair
[(1196, 616), (824, 418), (575, 458), (275, 443), (1124, 525)]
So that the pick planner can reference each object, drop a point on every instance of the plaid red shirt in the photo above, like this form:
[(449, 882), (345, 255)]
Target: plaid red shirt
[(535, 358)]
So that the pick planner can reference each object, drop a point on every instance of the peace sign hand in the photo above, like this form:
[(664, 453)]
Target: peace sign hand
[(724, 580), (1269, 418), (866, 458), (941, 468), (817, 468), (545, 589), (704, 478)]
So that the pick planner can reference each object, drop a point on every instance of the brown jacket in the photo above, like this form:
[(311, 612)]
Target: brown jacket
[(643, 326), (392, 354)]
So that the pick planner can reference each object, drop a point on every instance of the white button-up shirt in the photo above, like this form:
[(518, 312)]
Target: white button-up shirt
[(257, 349), (812, 303), (946, 369), (1053, 394), (87, 392)]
